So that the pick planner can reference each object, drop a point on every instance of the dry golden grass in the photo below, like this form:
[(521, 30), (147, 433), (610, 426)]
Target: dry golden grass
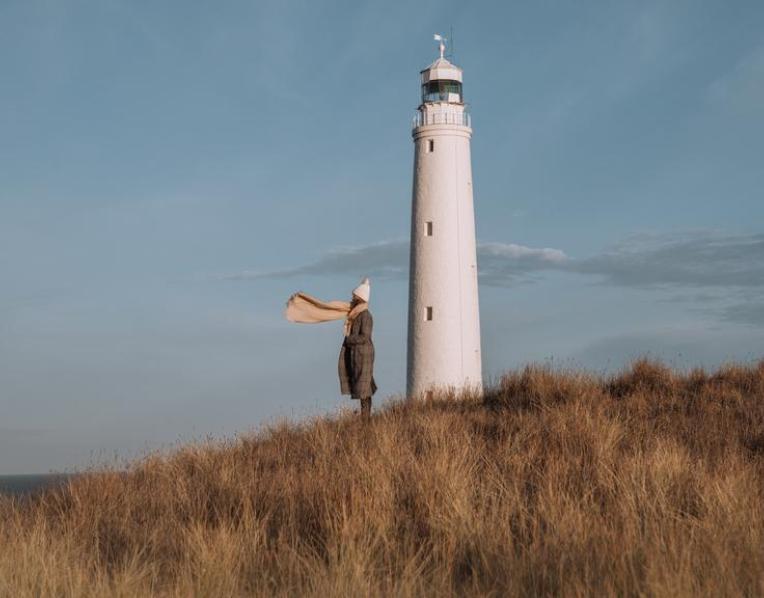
[(650, 482)]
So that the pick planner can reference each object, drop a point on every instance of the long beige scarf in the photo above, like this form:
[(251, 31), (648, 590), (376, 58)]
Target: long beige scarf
[(305, 309)]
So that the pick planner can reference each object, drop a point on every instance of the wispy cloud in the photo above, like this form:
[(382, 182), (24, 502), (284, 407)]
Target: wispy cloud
[(711, 267), (500, 263), (386, 259), (699, 259)]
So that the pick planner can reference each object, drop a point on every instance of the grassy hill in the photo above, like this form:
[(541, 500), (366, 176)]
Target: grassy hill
[(649, 482)]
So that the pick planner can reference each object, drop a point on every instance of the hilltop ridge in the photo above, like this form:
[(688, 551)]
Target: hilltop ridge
[(647, 482)]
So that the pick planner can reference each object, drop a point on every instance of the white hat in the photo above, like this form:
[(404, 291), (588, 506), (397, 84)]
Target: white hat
[(363, 290)]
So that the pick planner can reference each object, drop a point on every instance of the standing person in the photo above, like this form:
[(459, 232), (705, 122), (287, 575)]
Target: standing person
[(356, 363)]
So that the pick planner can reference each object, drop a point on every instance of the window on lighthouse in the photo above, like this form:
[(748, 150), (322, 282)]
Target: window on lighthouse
[(428, 313), (430, 146), (428, 229)]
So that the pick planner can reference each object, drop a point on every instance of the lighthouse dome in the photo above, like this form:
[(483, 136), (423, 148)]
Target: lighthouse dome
[(442, 69), (442, 82)]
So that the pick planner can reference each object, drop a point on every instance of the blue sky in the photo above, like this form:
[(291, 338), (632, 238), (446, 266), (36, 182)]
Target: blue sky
[(171, 172)]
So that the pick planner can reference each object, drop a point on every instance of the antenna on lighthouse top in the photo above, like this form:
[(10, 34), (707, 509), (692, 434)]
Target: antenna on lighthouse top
[(442, 44)]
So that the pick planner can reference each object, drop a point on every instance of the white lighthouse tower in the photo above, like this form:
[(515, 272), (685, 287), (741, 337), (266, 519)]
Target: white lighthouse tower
[(444, 318)]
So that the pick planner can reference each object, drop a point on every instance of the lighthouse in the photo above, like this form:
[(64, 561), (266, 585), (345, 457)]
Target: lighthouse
[(444, 315)]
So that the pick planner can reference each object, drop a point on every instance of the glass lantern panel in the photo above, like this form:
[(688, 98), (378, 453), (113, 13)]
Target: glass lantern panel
[(442, 90)]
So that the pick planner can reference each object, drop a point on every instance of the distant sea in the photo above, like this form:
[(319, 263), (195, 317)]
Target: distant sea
[(27, 484)]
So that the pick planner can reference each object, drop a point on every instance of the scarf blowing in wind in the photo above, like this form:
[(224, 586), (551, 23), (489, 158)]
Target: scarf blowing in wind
[(306, 309)]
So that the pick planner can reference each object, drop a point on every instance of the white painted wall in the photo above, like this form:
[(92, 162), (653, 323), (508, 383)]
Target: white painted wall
[(444, 352)]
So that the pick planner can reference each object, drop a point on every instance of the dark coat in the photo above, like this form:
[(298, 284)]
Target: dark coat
[(356, 363)]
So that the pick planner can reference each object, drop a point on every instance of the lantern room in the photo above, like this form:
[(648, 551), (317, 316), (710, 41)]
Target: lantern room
[(442, 82)]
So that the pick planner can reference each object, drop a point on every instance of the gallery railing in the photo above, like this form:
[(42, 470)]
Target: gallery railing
[(423, 118)]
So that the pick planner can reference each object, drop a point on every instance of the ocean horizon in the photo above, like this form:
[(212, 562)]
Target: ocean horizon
[(22, 484)]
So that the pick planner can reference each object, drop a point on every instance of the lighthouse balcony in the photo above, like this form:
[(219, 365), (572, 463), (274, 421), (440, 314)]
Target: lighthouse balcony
[(422, 119)]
